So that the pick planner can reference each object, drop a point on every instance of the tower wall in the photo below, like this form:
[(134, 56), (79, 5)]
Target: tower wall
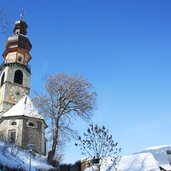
[(15, 71), (7, 91), (10, 71)]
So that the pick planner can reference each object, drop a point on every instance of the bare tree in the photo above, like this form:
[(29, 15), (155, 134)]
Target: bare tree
[(66, 97), (5, 22), (98, 145)]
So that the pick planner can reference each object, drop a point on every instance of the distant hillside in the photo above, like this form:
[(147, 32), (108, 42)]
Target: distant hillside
[(15, 158)]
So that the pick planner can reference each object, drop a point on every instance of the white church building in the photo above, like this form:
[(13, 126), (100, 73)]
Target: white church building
[(20, 122)]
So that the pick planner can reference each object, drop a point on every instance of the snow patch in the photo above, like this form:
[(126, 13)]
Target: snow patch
[(151, 159), (14, 157)]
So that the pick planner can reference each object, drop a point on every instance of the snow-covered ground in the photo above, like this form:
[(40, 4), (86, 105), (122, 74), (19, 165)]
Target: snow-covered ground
[(148, 160), (14, 157)]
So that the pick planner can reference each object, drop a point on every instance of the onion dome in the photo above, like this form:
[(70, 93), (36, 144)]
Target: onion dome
[(18, 40)]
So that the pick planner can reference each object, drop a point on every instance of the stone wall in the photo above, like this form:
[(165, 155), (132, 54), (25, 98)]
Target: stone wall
[(25, 134), (33, 135), (6, 126)]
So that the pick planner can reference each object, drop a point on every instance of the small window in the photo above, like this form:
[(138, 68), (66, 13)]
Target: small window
[(19, 59), (13, 123), (32, 124)]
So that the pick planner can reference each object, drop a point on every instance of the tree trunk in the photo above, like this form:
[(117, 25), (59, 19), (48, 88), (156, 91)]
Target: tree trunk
[(52, 152)]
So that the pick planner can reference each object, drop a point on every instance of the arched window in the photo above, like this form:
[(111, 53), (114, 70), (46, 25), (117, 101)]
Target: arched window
[(2, 79), (18, 77), (13, 123), (32, 124)]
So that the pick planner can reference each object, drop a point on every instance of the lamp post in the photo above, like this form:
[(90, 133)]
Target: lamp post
[(30, 149)]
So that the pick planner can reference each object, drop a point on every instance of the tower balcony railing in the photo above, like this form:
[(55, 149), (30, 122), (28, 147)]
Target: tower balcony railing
[(12, 63)]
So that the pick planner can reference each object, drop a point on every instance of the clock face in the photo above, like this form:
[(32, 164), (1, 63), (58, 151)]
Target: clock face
[(11, 57), (17, 93)]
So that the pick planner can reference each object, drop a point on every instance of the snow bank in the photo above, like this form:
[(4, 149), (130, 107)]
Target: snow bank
[(13, 157), (148, 160)]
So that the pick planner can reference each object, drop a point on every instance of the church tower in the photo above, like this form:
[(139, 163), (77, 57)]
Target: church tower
[(15, 71), (20, 122)]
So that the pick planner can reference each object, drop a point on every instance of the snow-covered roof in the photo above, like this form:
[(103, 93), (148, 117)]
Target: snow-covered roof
[(150, 159), (24, 107)]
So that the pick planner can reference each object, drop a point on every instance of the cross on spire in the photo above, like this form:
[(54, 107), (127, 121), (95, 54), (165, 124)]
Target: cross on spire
[(22, 12)]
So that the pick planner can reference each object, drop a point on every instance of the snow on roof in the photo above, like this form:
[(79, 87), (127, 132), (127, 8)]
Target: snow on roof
[(24, 107)]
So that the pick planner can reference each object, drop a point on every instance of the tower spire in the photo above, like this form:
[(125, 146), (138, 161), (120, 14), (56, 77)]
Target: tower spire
[(19, 41)]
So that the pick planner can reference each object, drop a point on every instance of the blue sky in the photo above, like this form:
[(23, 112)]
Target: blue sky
[(122, 47)]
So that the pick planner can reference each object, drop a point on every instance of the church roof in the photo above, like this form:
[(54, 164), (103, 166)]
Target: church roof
[(24, 107)]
